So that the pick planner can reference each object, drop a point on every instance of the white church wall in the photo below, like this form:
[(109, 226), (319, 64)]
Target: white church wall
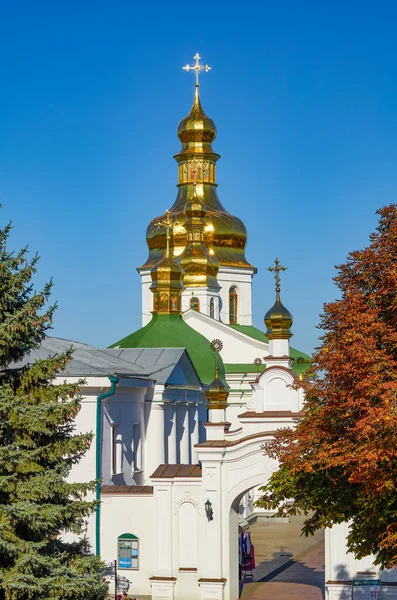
[(130, 514), (273, 391), (237, 347), (122, 433), (204, 295), (147, 296), (241, 279), (85, 420)]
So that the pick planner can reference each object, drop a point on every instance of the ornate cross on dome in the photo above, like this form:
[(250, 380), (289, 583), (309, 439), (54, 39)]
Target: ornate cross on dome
[(276, 270), (198, 67), (166, 222)]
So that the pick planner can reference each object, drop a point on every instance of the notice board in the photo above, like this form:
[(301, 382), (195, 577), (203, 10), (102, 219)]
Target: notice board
[(366, 589)]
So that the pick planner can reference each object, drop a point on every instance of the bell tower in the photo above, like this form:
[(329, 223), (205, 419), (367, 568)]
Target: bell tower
[(206, 239)]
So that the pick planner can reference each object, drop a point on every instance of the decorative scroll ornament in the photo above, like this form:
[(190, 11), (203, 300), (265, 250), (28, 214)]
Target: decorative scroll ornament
[(187, 497)]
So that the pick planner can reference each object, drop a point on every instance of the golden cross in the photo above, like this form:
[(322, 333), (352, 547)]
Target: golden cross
[(168, 224), (276, 270), (197, 67)]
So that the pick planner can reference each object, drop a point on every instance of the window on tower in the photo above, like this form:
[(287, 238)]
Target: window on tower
[(212, 308), (233, 300)]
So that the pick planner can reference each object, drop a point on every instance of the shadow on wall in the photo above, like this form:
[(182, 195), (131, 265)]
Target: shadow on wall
[(343, 575)]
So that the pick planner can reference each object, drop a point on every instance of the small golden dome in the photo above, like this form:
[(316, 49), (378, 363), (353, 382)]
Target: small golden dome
[(167, 273), (217, 393), (196, 126), (167, 280), (278, 321)]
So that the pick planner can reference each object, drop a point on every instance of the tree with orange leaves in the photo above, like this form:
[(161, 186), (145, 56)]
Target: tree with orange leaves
[(340, 461)]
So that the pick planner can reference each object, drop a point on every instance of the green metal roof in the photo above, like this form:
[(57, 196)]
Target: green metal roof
[(171, 331), (252, 332)]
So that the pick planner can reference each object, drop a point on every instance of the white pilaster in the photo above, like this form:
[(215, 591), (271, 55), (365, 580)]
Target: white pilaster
[(162, 588), (185, 435), (212, 491), (171, 433), (163, 529), (155, 437), (194, 415), (279, 348)]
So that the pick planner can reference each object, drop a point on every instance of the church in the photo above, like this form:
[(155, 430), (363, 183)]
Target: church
[(182, 409)]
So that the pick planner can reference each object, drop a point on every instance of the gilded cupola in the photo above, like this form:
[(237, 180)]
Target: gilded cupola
[(278, 319), (224, 234), (217, 392), (201, 267), (167, 279)]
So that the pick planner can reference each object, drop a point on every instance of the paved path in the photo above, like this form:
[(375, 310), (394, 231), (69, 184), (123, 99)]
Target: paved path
[(288, 566)]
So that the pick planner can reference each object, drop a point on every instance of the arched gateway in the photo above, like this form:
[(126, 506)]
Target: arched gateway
[(232, 462), (196, 508)]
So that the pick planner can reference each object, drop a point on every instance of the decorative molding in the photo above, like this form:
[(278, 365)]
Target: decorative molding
[(187, 497), (210, 472)]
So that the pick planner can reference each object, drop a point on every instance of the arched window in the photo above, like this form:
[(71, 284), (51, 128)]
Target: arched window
[(128, 551), (233, 299), (195, 304), (212, 308)]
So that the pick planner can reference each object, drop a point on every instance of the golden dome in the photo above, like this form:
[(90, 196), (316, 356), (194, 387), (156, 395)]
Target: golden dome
[(167, 279), (167, 273), (201, 268), (196, 131), (224, 234), (278, 319)]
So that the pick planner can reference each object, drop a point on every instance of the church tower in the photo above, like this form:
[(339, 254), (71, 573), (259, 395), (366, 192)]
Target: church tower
[(278, 321), (206, 239)]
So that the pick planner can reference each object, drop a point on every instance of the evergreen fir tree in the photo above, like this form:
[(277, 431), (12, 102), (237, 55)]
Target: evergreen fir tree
[(38, 447)]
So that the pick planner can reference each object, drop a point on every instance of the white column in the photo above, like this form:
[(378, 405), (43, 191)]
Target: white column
[(194, 415), (185, 435), (171, 425), (155, 437)]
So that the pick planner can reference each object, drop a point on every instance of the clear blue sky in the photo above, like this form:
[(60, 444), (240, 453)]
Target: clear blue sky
[(304, 95)]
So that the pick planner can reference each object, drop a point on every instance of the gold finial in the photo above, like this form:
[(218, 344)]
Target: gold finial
[(197, 67), (217, 392), (276, 270)]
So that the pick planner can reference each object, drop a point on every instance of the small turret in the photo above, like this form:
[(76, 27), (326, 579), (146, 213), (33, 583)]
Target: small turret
[(278, 320)]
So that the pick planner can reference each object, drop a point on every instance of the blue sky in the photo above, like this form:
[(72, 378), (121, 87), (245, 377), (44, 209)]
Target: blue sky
[(304, 96)]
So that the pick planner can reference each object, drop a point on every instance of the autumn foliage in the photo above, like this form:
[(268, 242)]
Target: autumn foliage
[(340, 462)]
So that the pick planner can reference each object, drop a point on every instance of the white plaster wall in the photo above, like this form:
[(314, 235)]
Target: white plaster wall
[(122, 411), (237, 347), (84, 471), (204, 295), (274, 391), (147, 296), (242, 280), (130, 514)]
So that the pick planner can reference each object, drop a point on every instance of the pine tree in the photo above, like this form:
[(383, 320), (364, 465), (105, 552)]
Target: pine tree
[(38, 448), (340, 462)]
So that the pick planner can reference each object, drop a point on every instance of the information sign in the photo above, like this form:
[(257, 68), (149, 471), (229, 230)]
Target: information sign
[(366, 589)]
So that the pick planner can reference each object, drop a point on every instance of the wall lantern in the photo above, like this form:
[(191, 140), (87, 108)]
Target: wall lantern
[(208, 510)]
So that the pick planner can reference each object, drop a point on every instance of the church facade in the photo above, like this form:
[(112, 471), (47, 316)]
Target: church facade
[(182, 409)]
